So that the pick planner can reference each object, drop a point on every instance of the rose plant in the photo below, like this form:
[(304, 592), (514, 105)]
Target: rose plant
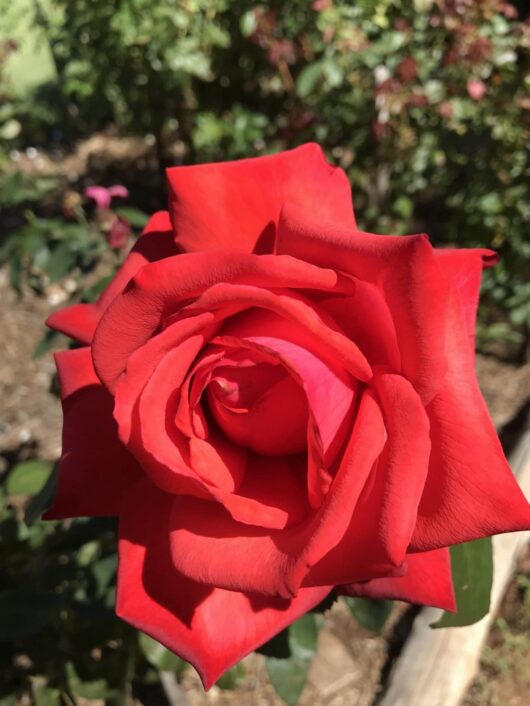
[(276, 405)]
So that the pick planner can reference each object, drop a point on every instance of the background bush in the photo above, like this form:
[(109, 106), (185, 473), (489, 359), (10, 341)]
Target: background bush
[(424, 103)]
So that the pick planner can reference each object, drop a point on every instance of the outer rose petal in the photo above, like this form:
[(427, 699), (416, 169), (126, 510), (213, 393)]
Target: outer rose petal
[(209, 627), (470, 490), (427, 581), (79, 321), (236, 205), (465, 268), (365, 318), (95, 467), (407, 273)]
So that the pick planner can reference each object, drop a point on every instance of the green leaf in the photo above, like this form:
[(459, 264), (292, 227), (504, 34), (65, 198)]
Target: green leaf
[(371, 614), (248, 23), (43, 695), (61, 261), (136, 218), (28, 477), (10, 700), (159, 656), (95, 689), (303, 636), (40, 502), (50, 340), (93, 292), (308, 79), (232, 678), (472, 569), (289, 676), (23, 613), (104, 571)]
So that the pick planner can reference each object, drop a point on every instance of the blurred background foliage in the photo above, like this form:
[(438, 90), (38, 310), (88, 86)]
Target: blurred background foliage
[(424, 104)]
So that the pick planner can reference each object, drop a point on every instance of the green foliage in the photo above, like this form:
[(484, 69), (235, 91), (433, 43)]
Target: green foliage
[(28, 477), (384, 87), (289, 674), (59, 637), (472, 569), (159, 656), (371, 614)]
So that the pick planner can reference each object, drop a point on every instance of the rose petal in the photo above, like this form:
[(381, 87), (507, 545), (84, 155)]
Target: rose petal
[(406, 271), (470, 490), (427, 581), (274, 423), (384, 519), (206, 468), (95, 467), (161, 288), (330, 396), (366, 319), (79, 321), (209, 627), (225, 205), (202, 536), (230, 299), (465, 269)]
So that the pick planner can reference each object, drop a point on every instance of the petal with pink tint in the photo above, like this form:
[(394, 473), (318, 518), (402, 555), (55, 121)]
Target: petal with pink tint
[(161, 288), (329, 393), (202, 535), (407, 274), (384, 518)]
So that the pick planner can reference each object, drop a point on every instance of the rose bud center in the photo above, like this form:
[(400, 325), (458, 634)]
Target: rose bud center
[(261, 406)]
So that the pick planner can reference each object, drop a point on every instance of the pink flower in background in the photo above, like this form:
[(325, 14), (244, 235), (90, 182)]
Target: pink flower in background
[(476, 89), (119, 233), (321, 5), (103, 195)]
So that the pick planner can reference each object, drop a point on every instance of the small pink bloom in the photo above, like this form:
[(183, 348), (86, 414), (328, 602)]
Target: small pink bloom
[(476, 89), (119, 234), (321, 5), (509, 11), (103, 196)]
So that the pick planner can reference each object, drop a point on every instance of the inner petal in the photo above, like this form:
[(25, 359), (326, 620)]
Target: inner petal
[(259, 405)]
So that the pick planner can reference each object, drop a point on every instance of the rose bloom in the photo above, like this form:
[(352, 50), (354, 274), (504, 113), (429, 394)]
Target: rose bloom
[(277, 404)]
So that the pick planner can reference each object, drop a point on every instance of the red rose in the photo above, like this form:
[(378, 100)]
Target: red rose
[(276, 403)]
